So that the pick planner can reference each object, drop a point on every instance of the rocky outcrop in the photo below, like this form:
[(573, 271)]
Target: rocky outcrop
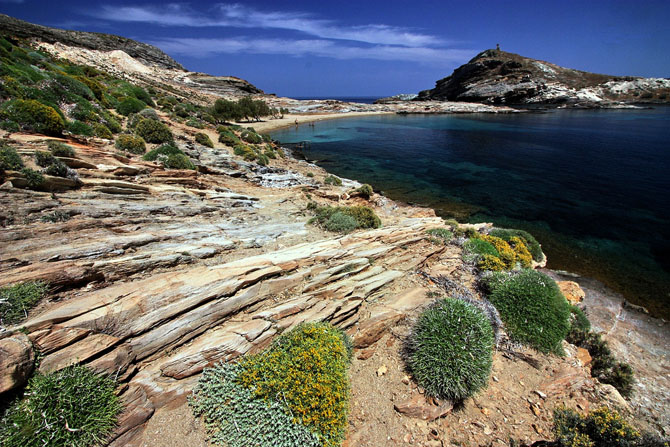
[(499, 77), (16, 361), (145, 53)]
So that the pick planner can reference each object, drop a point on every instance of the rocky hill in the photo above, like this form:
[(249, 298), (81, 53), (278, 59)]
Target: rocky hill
[(499, 77), (143, 52), (126, 58)]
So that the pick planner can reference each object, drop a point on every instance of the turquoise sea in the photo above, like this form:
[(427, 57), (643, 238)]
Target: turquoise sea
[(592, 185)]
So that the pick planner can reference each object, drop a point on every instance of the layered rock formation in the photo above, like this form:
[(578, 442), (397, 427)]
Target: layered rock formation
[(499, 77)]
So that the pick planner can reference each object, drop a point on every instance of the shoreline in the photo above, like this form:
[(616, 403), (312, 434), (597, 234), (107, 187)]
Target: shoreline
[(289, 120)]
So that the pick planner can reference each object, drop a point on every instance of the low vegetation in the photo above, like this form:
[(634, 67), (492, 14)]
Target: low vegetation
[(440, 235), (52, 165), (364, 191), (332, 180), (599, 428), (131, 143), (494, 253), (450, 350), (72, 407), (170, 156), (17, 300), (533, 245), (243, 109), (10, 160), (59, 149), (153, 131), (604, 365), (293, 394), (532, 307), (203, 139), (345, 219)]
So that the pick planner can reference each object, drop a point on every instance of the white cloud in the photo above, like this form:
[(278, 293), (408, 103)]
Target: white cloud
[(206, 47), (240, 16)]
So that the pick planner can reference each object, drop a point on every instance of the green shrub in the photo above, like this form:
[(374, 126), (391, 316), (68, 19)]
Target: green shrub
[(153, 131), (578, 321), (306, 368), (35, 179), (229, 138), (441, 234), (234, 417), (364, 191), (196, 123), (17, 300), (600, 428), (475, 247), (59, 149), (450, 350), (170, 156), (34, 116), (131, 143), (74, 407), (130, 105), (148, 113), (532, 307), (56, 216), (80, 128), (101, 131), (165, 149), (340, 223), (203, 139), (251, 137), (604, 366), (9, 159), (365, 217), (332, 180), (52, 165), (178, 161), (532, 243)]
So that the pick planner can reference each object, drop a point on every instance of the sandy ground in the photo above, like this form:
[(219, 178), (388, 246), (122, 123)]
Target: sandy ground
[(289, 120)]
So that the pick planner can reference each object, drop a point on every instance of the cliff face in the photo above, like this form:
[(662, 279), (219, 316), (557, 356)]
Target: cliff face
[(147, 54), (498, 77)]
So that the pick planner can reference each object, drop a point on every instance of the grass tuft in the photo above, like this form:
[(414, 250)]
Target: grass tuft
[(72, 407), (450, 351), (17, 300)]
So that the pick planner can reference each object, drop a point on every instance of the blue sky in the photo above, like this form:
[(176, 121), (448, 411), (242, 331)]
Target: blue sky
[(373, 47)]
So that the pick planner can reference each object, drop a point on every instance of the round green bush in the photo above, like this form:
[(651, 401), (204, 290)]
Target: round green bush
[(532, 307), (131, 143), (59, 149), (130, 105), (340, 223), (450, 350), (153, 131), (32, 115), (72, 407), (203, 139), (178, 161), (80, 128), (9, 159), (102, 131)]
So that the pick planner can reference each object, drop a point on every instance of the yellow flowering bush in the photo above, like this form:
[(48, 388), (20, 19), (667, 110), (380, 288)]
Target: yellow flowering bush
[(306, 369), (600, 428), (521, 251)]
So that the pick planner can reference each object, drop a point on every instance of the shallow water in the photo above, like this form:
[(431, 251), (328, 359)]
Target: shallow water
[(592, 185)]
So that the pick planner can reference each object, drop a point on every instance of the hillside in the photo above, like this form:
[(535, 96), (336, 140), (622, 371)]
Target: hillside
[(499, 77), (151, 233)]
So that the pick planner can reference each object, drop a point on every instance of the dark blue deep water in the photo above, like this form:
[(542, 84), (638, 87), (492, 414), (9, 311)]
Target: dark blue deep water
[(592, 185), (358, 99)]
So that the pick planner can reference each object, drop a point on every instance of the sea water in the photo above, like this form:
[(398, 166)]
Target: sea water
[(592, 185)]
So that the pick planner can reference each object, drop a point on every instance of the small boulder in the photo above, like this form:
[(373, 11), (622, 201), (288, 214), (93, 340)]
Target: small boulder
[(425, 408), (572, 292), (17, 361)]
